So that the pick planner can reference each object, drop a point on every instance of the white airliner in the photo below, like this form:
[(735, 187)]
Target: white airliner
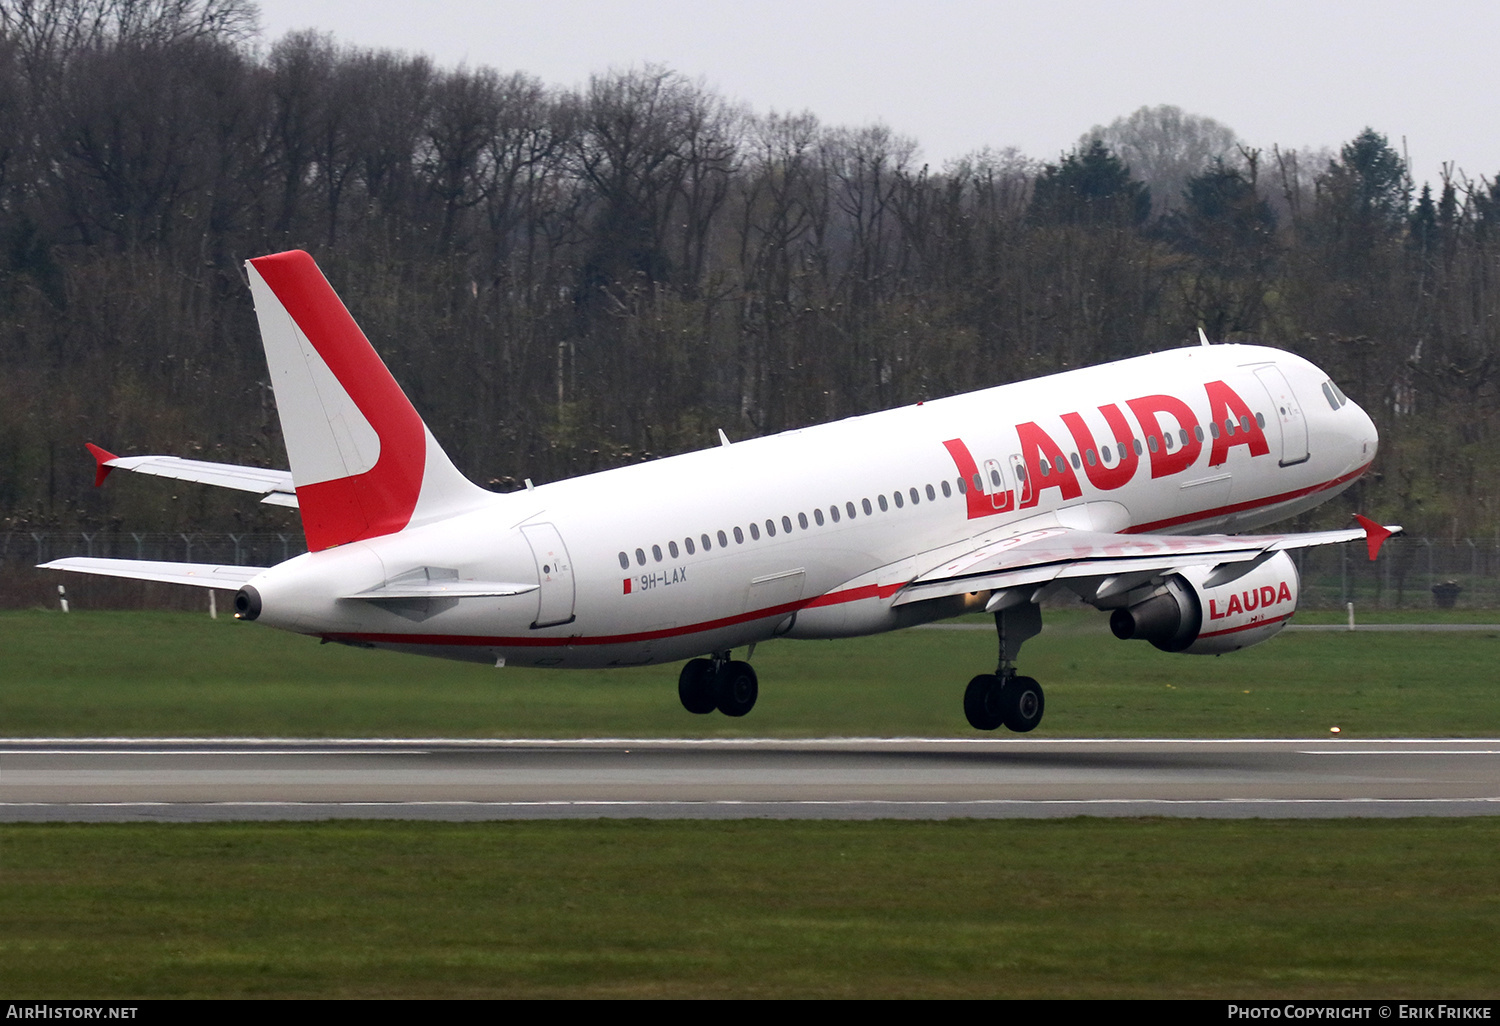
[(1104, 482)]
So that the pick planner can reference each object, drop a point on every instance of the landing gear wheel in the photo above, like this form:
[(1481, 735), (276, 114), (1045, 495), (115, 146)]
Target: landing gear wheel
[(1022, 702), (736, 688), (695, 686), (982, 702)]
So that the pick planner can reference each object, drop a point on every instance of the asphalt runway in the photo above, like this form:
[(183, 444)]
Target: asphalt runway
[(1001, 777)]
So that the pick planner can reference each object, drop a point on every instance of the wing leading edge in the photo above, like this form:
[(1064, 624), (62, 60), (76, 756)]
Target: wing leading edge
[(1099, 566)]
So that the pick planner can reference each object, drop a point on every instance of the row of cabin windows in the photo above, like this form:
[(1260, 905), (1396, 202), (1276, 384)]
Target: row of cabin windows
[(1167, 442), (915, 496), (818, 519)]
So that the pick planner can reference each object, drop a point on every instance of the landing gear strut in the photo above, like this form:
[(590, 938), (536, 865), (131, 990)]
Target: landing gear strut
[(721, 683), (1004, 697)]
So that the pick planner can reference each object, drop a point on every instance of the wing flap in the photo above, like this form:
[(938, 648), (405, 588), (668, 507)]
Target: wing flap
[(1037, 558), (198, 575)]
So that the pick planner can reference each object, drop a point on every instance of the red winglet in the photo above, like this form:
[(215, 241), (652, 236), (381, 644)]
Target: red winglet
[(101, 458), (1375, 535)]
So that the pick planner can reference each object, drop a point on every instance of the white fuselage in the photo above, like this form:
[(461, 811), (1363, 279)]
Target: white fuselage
[(625, 576)]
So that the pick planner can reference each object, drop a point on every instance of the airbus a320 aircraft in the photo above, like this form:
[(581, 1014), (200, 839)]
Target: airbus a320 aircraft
[(1105, 482)]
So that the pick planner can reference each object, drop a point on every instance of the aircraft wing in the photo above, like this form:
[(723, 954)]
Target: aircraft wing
[(199, 575), (1099, 565), (274, 485)]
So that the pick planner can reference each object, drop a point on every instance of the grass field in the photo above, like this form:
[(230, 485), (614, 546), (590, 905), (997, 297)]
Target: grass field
[(176, 674), (1062, 908)]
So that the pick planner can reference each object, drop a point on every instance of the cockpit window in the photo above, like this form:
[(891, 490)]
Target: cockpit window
[(1333, 402)]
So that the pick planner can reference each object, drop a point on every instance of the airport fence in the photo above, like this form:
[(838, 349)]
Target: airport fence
[(1412, 573)]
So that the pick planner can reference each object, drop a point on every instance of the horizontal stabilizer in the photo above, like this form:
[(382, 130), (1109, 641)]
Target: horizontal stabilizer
[(198, 575), (275, 485)]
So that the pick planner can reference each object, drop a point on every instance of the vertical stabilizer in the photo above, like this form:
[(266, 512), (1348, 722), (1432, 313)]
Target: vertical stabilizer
[(363, 463)]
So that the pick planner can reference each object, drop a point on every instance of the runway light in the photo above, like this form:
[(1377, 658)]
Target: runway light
[(1333, 730)]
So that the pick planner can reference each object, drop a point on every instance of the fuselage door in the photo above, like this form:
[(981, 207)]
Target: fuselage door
[(1001, 497), (1288, 414), (1023, 482), (554, 575)]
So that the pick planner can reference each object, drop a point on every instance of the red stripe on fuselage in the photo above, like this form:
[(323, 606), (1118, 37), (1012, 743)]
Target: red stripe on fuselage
[(1240, 507), (833, 598), (381, 500)]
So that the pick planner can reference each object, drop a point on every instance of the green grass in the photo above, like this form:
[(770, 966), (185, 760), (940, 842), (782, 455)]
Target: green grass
[(1060, 908), (175, 674)]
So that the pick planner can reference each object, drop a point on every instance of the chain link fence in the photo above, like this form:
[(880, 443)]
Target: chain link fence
[(1412, 573)]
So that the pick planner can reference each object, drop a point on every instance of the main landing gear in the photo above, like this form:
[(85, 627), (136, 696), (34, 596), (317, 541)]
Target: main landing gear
[(719, 683), (1004, 697)]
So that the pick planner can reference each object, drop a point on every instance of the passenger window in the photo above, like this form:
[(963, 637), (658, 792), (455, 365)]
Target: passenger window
[(1260, 420), (865, 503), (818, 516), (849, 508), (1166, 440), (931, 495), (707, 545), (978, 484), (656, 553), (1151, 442), (786, 524), (1139, 448), (640, 557), (1046, 468), (995, 477), (885, 507), (1229, 426), (1183, 434), (672, 548), (1245, 424), (1021, 473), (754, 532), (689, 543), (897, 496), (770, 528), (916, 496), (624, 561), (723, 541), (739, 536), (947, 492), (802, 519), (1213, 429), (1198, 432), (833, 511), (1089, 455), (963, 488)]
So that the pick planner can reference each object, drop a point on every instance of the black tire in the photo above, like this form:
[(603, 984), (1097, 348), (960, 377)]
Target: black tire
[(736, 688), (695, 687), (982, 702), (1023, 704)]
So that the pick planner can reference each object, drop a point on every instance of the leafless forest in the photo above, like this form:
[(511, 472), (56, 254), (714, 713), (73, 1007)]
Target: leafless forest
[(565, 280)]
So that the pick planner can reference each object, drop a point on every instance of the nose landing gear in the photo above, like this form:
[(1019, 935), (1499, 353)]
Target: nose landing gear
[(721, 683), (1004, 697)]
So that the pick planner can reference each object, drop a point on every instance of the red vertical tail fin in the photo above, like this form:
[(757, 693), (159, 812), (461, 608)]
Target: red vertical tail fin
[(363, 463)]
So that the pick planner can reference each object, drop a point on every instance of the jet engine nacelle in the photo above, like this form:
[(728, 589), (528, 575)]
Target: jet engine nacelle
[(1185, 616)]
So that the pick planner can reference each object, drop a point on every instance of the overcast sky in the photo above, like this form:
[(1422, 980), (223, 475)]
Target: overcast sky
[(957, 76)]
